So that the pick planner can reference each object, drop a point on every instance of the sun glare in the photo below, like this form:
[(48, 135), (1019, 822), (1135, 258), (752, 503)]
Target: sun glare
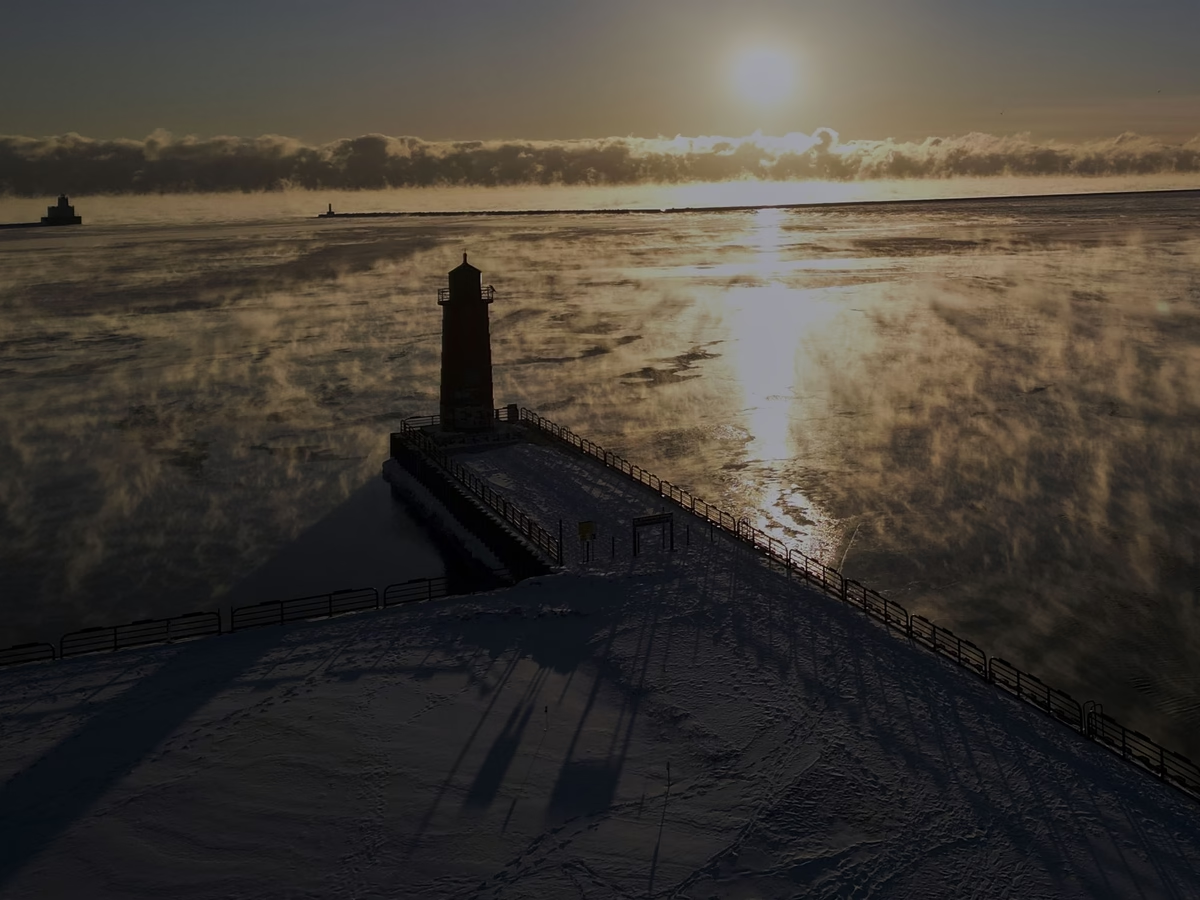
[(763, 76)]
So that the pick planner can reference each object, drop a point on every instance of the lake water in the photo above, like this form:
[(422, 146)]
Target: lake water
[(988, 410)]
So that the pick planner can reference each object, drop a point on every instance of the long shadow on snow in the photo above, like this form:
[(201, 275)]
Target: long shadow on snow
[(1033, 765), (582, 785), (557, 641), (45, 799)]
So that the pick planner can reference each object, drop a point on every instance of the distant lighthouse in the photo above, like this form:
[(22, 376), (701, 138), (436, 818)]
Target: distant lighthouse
[(466, 401), (62, 214)]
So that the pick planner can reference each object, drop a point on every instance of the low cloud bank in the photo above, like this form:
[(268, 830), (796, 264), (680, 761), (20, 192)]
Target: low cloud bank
[(165, 163)]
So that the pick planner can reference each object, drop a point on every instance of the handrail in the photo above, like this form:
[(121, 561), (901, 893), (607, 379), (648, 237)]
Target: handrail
[(99, 638), (415, 590), (1035, 691), (487, 294), (318, 606), (525, 524), (34, 651), (144, 632), (1135, 747)]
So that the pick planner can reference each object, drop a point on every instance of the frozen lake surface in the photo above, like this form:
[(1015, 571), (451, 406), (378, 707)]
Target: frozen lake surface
[(986, 410)]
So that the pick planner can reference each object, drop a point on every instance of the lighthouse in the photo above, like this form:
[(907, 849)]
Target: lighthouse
[(62, 214), (466, 399)]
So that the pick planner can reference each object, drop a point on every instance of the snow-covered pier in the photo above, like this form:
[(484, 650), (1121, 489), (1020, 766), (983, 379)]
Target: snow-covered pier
[(687, 723), (709, 714)]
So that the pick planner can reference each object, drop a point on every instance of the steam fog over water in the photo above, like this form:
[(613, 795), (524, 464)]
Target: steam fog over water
[(986, 410)]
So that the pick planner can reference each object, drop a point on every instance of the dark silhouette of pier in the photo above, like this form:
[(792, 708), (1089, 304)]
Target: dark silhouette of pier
[(753, 207)]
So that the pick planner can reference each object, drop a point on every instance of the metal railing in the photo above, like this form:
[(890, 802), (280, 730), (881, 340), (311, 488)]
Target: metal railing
[(35, 651), (487, 294), (524, 523), (1033, 690), (1086, 719), (417, 590), (417, 422), (945, 642), (318, 606), (1135, 747), (102, 638), (877, 606), (145, 632), (499, 413)]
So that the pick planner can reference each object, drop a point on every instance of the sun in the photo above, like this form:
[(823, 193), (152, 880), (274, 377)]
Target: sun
[(763, 76)]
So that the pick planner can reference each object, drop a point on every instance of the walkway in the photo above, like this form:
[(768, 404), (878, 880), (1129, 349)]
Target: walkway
[(679, 724)]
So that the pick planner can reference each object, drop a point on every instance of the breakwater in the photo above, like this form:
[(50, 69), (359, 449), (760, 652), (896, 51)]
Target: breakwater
[(810, 207)]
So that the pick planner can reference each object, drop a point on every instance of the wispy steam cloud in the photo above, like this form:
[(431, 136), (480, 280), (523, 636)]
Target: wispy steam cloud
[(162, 162)]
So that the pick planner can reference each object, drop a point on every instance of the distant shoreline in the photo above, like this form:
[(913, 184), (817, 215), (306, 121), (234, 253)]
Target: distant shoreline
[(837, 204)]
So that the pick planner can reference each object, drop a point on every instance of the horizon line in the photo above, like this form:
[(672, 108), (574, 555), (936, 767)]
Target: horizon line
[(832, 204)]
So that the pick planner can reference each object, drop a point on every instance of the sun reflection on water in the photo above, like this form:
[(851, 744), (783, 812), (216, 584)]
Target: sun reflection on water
[(768, 325)]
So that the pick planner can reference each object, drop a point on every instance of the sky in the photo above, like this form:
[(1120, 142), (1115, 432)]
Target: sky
[(1070, 70)]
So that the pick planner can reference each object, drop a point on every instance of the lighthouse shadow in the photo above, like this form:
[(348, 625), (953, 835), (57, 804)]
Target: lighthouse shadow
[(369, 540)]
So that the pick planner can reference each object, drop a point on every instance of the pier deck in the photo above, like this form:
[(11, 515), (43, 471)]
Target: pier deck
[(686, 723)]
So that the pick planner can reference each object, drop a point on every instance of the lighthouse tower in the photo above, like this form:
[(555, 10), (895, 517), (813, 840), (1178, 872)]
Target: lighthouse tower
[(466, 401)]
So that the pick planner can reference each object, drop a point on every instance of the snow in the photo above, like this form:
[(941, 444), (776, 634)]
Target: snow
[(518, 744), (366, 540)]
